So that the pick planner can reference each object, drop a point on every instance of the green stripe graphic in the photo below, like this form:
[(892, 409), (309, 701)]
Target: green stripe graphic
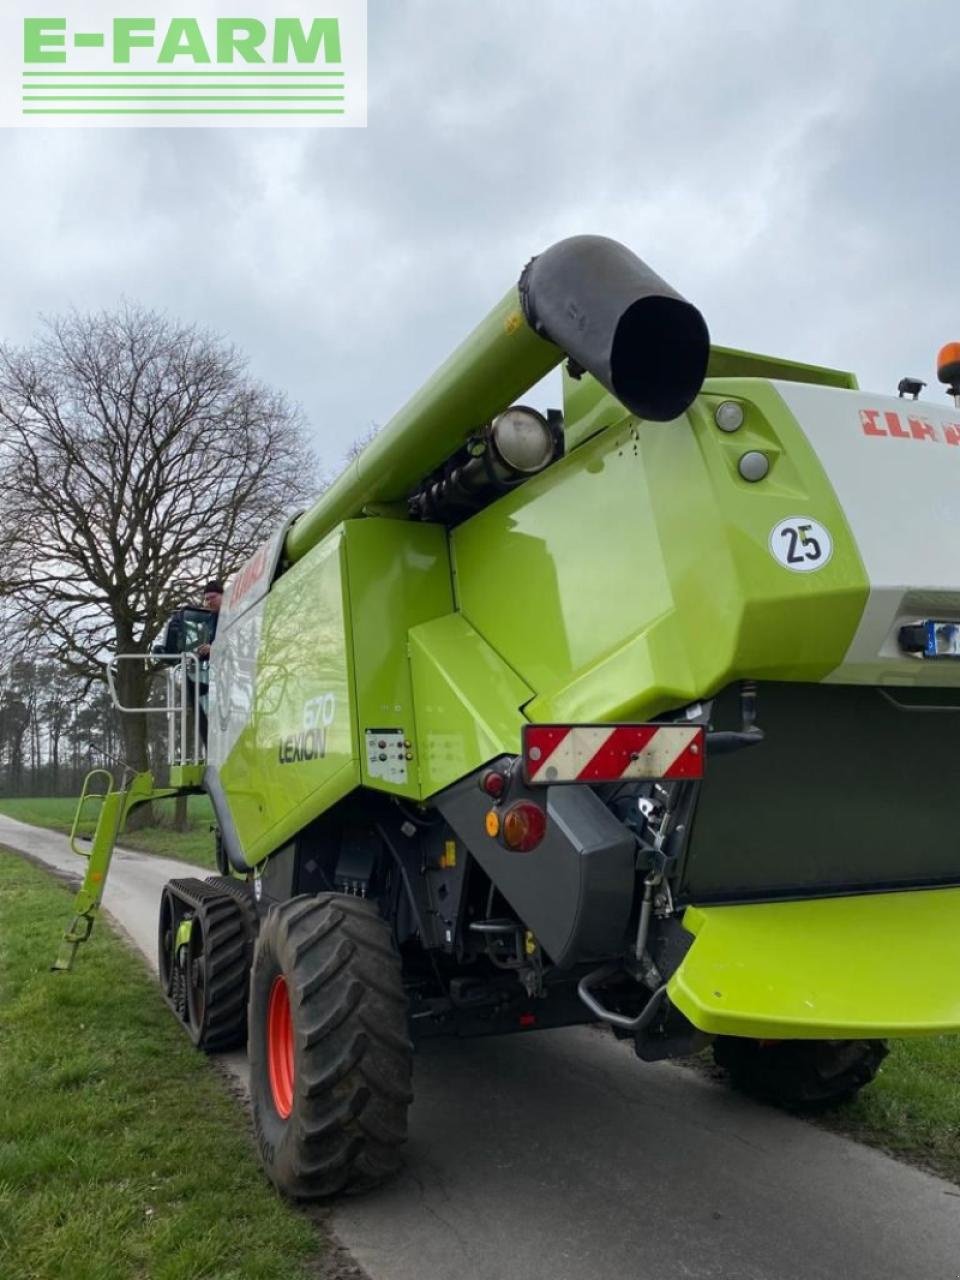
[(184, 97), (77, 88), (192, 89), (183, 111)]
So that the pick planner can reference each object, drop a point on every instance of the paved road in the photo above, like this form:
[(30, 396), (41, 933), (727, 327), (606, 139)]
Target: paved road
[(558, 1156)]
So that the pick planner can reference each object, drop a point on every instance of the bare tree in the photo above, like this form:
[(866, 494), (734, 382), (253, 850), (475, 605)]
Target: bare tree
[(137, 458)]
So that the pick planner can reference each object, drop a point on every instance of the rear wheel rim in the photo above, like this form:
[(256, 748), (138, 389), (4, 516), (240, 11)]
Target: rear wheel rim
[(280, 1047)]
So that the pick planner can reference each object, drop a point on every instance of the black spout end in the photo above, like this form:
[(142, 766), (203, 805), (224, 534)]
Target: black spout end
[(658, 359), (615, 317)]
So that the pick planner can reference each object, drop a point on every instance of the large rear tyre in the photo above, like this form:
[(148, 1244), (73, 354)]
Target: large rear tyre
[(330, 1057), (800, 1075)]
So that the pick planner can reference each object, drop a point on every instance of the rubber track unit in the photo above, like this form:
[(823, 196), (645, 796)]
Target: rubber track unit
[(224, 930), (800, 1075), (352, 1053)]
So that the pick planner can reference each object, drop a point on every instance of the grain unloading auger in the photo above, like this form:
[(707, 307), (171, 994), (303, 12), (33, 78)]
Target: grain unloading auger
[(642, 714)]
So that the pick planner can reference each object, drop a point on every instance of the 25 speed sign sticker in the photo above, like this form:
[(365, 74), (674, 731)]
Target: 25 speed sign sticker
[(801, 544)]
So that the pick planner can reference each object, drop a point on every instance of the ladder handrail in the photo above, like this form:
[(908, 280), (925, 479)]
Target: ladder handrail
[(85, 796), (186, 666), (116, 806)]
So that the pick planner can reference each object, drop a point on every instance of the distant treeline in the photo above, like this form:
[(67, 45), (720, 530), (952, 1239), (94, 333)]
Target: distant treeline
[(55, 728)]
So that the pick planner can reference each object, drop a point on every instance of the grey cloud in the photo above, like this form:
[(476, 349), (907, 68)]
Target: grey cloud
[(787, 165)]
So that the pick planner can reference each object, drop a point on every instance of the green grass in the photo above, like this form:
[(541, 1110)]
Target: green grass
[(123, 1155), (194, 845), (912, 1109)]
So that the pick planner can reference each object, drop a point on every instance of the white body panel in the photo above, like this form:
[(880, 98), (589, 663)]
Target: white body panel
[(895, 467), (233, 675)]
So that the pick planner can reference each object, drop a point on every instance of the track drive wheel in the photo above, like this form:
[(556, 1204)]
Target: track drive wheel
[(801, 1075), (216, 975), (330, 1057), (172, 979)]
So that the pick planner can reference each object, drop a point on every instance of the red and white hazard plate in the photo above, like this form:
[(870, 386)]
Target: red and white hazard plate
[(554, 753)]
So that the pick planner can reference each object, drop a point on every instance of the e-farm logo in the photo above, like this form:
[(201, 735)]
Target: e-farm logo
[(105, 62)]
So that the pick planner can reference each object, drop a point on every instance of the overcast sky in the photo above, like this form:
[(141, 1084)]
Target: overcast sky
[(790, 167)]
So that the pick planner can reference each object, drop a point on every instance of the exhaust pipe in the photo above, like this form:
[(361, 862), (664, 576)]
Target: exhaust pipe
[(588, 299)]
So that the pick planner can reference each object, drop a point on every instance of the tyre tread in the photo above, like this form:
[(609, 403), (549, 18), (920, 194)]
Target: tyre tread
[(354, 1055), (800, 1075)]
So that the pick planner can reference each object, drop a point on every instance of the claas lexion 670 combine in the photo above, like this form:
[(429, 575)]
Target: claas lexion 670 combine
[(644, 714)]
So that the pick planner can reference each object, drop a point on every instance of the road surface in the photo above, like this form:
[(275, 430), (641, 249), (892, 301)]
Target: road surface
[(558, 1156)]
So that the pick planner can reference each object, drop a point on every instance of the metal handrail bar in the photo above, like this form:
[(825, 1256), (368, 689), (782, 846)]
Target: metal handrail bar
[(86, 795), (186, 666)]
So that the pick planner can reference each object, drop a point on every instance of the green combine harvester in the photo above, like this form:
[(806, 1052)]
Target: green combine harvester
[(643, 713)]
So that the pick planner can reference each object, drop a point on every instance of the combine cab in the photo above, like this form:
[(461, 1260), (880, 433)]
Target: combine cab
[(643, 713)]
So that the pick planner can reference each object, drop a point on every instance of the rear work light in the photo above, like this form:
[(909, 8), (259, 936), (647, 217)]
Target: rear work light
[(554, 753), (523, 827)]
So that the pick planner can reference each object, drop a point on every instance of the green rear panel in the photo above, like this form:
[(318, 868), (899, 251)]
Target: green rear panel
[(635, 575), (468, 701)]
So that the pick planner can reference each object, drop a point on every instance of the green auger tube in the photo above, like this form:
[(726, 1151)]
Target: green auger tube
[(587, 298)]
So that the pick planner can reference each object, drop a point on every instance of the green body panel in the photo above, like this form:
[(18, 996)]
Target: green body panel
[(399, 576), (727, 362), (868, 966), (468, 701), (304, 661), (333, 659), (587, 408), (500, 360), (668, 590)]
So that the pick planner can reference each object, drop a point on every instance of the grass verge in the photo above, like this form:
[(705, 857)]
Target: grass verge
[(912, 1110), (122, 1153), (194, 845)]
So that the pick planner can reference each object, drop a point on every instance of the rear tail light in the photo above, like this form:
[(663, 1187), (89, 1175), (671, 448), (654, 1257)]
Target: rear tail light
[(523, 827), (590, 753)]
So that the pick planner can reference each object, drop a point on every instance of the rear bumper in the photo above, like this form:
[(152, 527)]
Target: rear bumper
[(867, 966)]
